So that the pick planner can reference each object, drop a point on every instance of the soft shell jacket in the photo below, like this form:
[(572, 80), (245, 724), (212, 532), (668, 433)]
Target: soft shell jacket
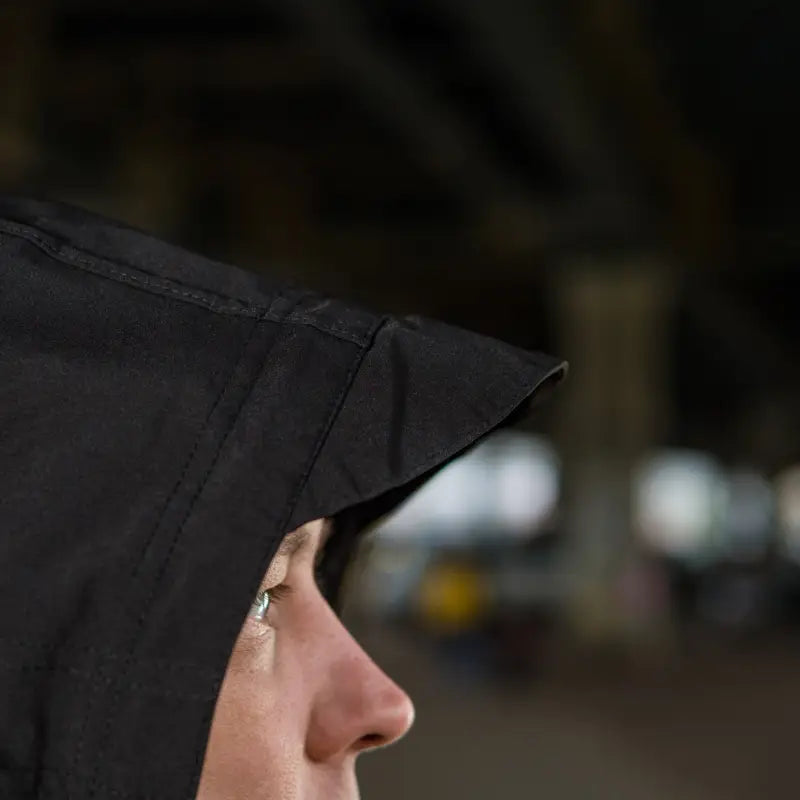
[(164, 420)]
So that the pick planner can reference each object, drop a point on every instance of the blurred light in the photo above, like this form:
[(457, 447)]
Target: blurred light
[(527, 481), (749, 509), (787, 491), (506, 485), (447, 505), (394, 571), (678, 497)]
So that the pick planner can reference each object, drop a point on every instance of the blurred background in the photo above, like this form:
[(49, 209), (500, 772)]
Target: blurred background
[(604, 603)]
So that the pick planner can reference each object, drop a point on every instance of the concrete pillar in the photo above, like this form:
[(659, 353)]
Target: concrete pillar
[(614, 326)]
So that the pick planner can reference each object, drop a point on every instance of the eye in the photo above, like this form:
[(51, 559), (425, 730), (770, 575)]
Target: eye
[(266, 598)]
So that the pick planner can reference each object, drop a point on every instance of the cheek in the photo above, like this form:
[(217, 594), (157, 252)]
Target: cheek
[(257, 740)]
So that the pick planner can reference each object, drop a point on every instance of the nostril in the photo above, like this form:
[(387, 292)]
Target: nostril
[(372, 740)]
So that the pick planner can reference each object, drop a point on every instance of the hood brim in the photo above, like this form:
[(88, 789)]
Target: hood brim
[(424, 394)]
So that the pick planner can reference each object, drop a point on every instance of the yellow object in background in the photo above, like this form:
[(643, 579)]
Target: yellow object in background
[(453, 597)]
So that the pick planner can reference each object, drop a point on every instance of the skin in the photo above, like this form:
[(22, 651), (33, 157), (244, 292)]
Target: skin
[(300, 700)]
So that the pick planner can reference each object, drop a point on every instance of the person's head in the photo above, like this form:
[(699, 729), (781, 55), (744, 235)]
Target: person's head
[(170, 419), (300, 699)]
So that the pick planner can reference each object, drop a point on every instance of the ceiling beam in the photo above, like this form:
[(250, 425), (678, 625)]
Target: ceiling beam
[(178, 66), (447, 143), (519, 42)]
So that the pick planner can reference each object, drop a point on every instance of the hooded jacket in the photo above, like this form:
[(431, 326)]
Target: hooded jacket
[(164, 420)]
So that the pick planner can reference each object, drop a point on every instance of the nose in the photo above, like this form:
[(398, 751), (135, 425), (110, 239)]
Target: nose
[(357, 707)]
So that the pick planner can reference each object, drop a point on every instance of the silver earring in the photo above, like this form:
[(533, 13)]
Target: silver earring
[(261, 604)]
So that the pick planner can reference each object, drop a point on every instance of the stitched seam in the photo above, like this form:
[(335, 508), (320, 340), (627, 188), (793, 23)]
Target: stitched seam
[(128, 658), (354, 368), (75, 256), (106, 268), (295, 496), (189, 459), (175, 539)]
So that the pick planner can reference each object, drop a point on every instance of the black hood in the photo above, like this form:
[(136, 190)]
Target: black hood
[(164, 420)]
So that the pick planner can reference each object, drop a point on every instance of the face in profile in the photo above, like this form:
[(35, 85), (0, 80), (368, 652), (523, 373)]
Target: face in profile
[(300, 699)]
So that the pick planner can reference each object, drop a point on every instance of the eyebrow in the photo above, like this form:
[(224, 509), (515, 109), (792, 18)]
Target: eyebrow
[(298, 539)]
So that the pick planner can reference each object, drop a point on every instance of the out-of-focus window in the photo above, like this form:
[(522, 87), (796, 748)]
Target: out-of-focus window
[(787, 490), (507, 486), (679, 502)]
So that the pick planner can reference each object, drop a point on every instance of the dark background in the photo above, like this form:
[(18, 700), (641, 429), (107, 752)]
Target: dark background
[(614, 181)]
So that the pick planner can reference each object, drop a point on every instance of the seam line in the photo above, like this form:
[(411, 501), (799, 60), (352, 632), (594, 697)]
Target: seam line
[(103, 267)]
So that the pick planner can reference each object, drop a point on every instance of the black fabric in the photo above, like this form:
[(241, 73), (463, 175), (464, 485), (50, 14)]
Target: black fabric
[(164, 421)]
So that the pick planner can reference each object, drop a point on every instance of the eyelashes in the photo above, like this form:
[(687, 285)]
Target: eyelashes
[(267, 597), (277, 593)]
